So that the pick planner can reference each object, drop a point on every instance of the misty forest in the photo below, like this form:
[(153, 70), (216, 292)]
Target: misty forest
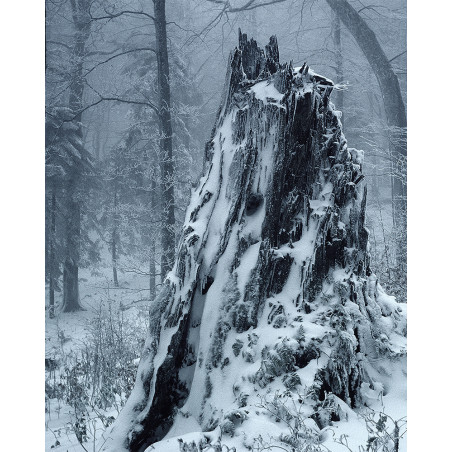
[(225, 225)]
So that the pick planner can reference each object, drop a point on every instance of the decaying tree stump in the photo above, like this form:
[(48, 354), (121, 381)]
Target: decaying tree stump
[(272, 283)]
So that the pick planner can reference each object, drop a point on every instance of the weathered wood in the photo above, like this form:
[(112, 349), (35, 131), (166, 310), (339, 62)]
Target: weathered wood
[(276, 225)]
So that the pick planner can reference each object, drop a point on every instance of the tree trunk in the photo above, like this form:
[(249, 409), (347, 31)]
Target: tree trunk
[(71, 298), (389, 86), (71, 302), (52, 239), (166, 140), (337, 42), (114, 236), (152, 270), (152, 254)]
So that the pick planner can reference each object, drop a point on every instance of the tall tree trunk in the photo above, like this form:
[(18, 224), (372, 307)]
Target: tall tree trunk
[(373, 160), (166, 140), (52, 255), (152, 256), (71, 298), (337, 42), (389, 84), (152, 271), (114, 238), (71, 302)]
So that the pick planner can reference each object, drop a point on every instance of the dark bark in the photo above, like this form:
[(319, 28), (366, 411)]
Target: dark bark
[(115, 270), (166, 140), (71, 301), (71, 298), (152, 253), (374, 114), (114, 236), (52, 263), (152, 270)]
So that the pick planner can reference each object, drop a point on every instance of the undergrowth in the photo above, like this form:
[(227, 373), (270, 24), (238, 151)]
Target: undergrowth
[(93, 381)]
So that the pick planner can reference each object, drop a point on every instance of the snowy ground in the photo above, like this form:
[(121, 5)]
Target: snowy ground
[(70, 333), (67, 337)]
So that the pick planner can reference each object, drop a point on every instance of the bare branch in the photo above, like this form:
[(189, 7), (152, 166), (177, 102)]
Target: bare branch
[(110, 16), (397, 56), (118, 55), (248, 6)]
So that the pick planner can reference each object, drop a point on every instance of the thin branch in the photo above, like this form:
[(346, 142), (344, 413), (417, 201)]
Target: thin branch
[(107, 99), (114, 16), (250, 5), (397, 56), (118, 55)]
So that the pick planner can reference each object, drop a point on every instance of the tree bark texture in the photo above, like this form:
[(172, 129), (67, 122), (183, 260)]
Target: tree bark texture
[(273, 242), (71, 300), (114, 238), (166, 140), (52, 263)]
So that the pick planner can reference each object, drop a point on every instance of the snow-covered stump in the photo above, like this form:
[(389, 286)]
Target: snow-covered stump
[(272, 288)]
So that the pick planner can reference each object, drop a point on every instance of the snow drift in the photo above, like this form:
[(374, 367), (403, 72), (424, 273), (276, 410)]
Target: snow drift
[(272, 293)]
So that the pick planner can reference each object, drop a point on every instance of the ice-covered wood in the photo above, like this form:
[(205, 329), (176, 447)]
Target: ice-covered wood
[(272, 285)]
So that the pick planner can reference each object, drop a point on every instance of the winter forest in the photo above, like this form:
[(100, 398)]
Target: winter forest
[(225, 225)]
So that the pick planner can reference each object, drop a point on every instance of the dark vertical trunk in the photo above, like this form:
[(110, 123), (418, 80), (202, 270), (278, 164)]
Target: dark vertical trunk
[(114, 236), (389, 84), (52, 255), (152, 270), (339, 60), (152, 257), (97, 145), (396, 437), (373, 160), (71, 299), (115, 271), (166, 140), (71, 302)]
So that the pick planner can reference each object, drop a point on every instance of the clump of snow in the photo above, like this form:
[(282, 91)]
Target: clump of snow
[(266, 92)]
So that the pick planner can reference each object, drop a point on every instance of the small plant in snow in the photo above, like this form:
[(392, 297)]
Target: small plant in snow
[(384, 433), (98, 376), (302, 435)]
